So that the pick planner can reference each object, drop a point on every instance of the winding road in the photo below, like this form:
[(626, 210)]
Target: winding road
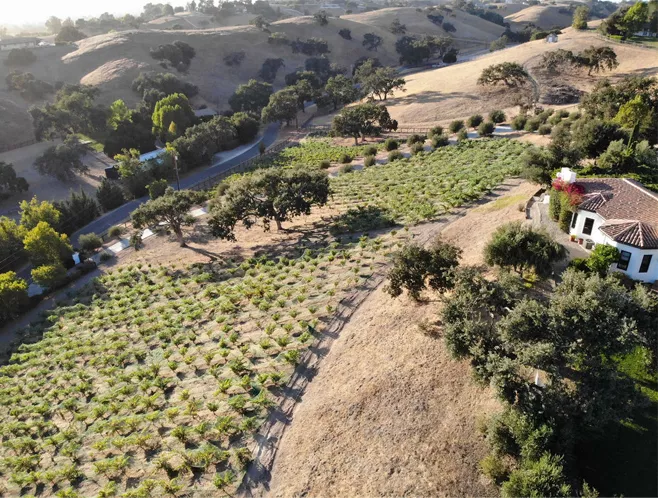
[(122, 213)]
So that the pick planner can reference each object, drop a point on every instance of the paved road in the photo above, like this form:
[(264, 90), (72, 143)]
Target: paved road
[(122, 213)]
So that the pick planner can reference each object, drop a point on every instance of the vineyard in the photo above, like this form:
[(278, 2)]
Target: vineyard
[(428, 185), (153, 380)]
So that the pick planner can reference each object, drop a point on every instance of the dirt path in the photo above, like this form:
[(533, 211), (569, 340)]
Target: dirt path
[(388, 411)]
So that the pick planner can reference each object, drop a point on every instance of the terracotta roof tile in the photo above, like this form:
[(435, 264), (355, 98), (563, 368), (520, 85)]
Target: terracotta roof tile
[(630, 210)]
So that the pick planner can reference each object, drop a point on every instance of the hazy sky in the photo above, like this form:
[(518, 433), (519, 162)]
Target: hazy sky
[(37, 11)]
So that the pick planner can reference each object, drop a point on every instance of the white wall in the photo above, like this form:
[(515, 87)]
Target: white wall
[(599, 237), (596, 236), (637, 254)]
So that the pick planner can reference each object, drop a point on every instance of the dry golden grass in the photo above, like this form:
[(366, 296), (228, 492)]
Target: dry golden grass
[(443, 94)]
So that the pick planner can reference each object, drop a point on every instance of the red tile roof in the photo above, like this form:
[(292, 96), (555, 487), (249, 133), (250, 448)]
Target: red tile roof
[(629, 209)]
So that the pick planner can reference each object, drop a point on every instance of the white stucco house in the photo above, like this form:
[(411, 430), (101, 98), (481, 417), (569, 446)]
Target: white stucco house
[(621, 213), (11, 43)]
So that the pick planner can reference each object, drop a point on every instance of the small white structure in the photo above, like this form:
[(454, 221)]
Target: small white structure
[(199, 113), (151, 155), (551, 38), (11, 43), (621, 213)]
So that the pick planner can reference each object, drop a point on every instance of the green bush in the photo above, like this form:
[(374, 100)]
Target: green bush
[(369, 161), (486, 129), (494, 468), (544, 129), (554, 204), (532, 124), (106, 256), (13, 295), (371, 150), (474, 121), (345, 158), (347, 168), (462, 135), (543, 477), (564, 220), (417, 148), (49, 276), (497, 116), (391, 144), (325, 164), (518, 123), (414, 139), (90, 242), (579, 264), (157, 188), (601, 258), (115, 231), (394, 155), (456, 125), (436, 130), (440, 141), (574, 116)]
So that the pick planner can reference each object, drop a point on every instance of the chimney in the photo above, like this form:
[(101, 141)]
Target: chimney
[(567, 176)]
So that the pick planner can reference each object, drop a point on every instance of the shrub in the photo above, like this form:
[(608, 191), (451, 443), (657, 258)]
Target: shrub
[(542, 477), (521, 247), (13, 295), (246, 126), (450, 56), (601, 258), (235, 58), (345, 158), (106, 256), (497, 116), (544, 129), (456, 125), (449, 27), (345, 33), (436, 130), (347, 168), (417, 148), (115, 231), (413, 139), (20, 57), (494, 468), (90, 242), (579, 264), (486, 129), (415, 268), (440, 141), (369, 161), (371, 150), (391, 144), (532, 124), (474, 121), (49, 276), (462, 135), (394, 155), (157, 188), (325, 164), (518, 123)]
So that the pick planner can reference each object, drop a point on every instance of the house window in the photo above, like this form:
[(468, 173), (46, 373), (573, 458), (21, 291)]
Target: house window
[(573, 219), (624, 259), (589, 224), (646, 261)]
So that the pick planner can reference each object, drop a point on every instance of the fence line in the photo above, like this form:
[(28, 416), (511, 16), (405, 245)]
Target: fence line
[(401, 129)]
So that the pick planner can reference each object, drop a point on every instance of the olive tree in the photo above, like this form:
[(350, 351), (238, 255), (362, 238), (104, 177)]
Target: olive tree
[(363, 120), (275, 194), (521, 247), (171, 209), (415, 268)]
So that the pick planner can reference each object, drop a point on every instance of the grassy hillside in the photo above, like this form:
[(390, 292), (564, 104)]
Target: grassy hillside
[(542, 16), (452, 92)]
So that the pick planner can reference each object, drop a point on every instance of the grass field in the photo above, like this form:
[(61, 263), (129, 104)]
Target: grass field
[(154, 379)]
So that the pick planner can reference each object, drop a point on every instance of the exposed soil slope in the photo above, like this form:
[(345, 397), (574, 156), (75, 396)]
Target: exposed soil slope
[(452, 92), (389, 412)]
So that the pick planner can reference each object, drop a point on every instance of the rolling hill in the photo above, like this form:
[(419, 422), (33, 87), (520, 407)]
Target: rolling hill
[(443, 94)]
